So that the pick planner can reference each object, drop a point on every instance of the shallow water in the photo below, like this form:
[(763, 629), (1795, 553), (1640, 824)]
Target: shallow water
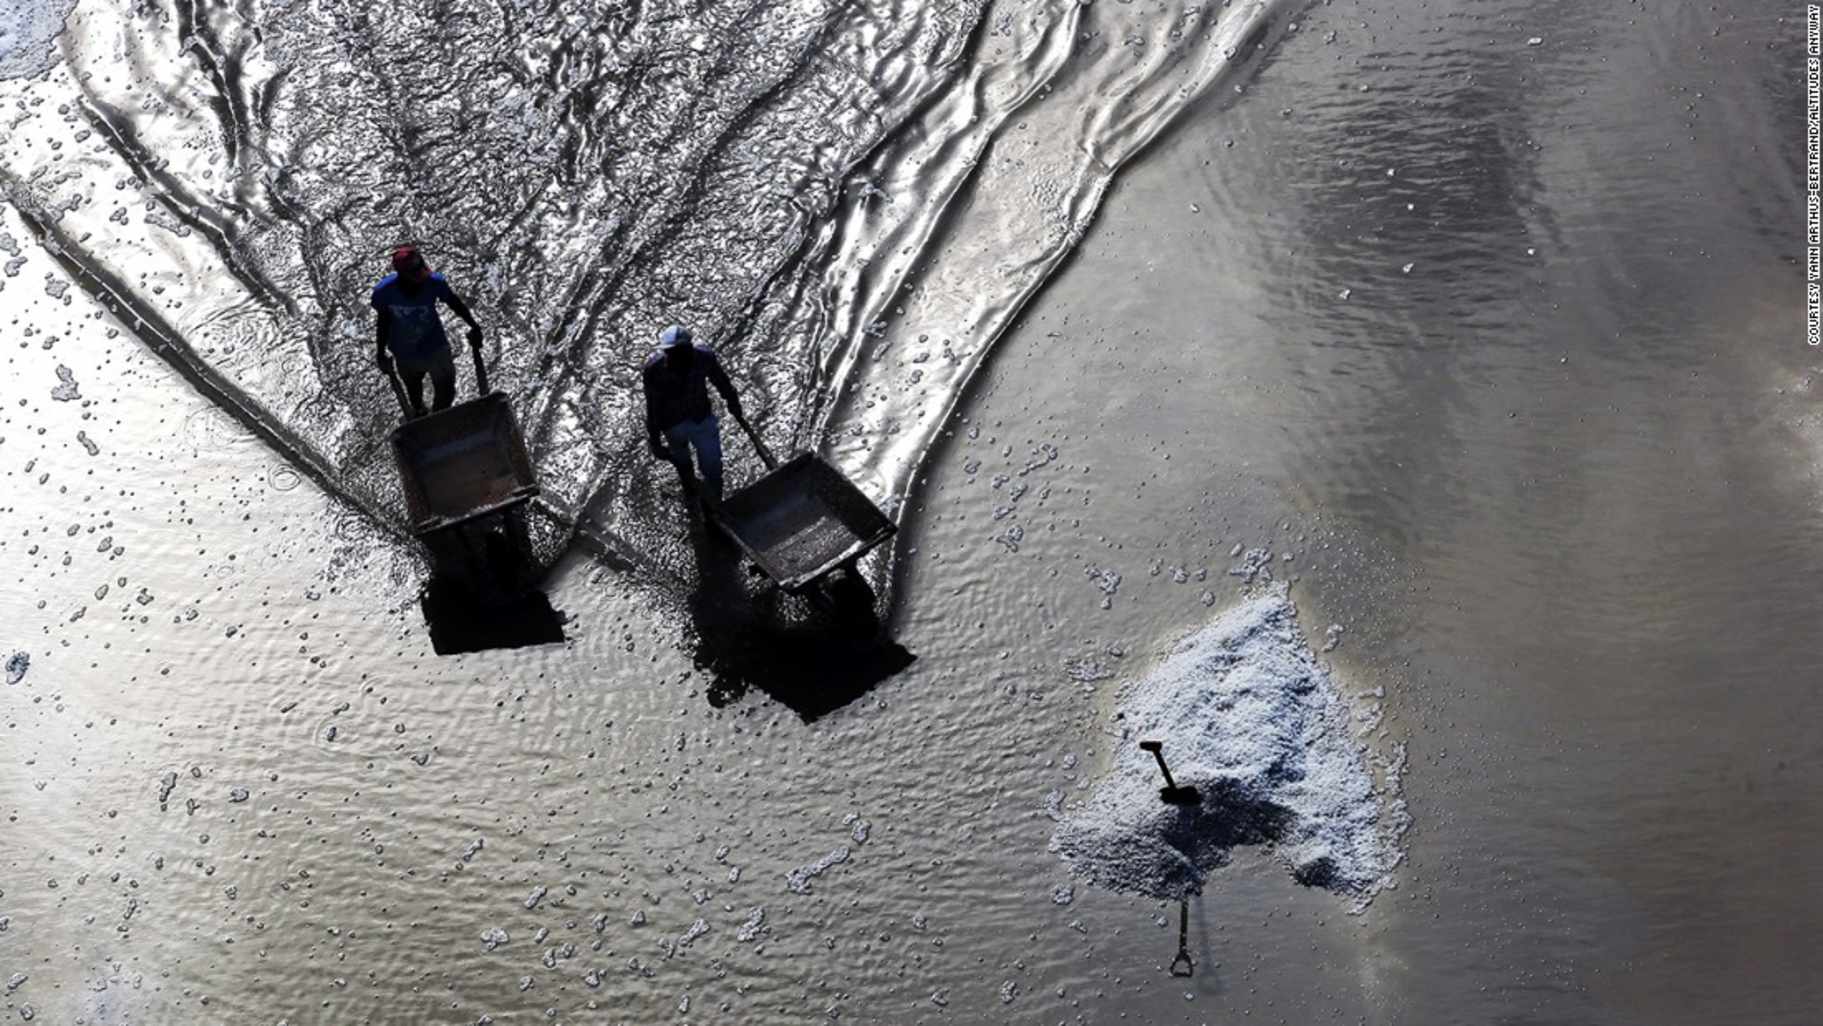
[(1557, 482), (780, 177)]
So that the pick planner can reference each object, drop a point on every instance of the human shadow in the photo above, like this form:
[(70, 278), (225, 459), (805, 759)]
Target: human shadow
[(813, 655), (483, 594)]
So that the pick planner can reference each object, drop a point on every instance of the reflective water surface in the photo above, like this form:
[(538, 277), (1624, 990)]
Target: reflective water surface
[(1484, 314)]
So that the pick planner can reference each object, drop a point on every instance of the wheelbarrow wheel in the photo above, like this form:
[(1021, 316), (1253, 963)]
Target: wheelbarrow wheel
[(518, 534), (510, 555), (850, 601)]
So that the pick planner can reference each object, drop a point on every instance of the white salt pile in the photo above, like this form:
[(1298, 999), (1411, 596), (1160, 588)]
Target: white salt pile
[(1250, 719), (27, 28)]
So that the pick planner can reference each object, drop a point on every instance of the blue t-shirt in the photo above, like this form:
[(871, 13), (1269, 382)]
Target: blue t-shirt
[(413, 329)]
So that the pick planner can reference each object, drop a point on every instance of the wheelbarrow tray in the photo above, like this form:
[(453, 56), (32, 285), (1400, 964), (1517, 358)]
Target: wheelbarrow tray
[(802, 520), (462, 463)]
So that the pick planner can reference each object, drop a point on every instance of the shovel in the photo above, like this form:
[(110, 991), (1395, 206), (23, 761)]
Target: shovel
[(1171, 793)]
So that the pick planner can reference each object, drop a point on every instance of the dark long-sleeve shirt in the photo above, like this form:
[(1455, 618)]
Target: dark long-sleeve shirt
[(673, 398)]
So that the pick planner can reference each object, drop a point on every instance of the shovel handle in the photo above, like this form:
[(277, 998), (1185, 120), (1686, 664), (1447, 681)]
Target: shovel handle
[(759, 446), (1182, 965)]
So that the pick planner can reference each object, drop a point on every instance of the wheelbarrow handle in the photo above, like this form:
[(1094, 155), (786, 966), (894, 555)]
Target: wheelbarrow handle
[(480, 370), (398, 390), (758, 445)]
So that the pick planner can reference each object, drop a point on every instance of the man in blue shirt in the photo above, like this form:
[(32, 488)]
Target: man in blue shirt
[(678, 416), (410, 329)]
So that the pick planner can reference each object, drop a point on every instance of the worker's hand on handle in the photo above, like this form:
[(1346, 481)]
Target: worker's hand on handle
[(474, 336), (659, 449), (383, 361)]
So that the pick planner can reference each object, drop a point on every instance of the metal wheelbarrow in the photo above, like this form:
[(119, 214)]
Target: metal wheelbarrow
[(801, 521), (465, 471)]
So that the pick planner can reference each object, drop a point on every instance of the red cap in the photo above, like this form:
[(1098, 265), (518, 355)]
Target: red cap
[(410, 263)]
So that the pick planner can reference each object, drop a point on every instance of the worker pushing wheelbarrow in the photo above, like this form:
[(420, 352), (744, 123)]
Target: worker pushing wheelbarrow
[(800, 522), (463, 467)]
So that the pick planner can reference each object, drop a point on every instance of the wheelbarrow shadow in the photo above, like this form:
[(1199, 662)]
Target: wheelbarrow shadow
[(482, 595), (812, 657)]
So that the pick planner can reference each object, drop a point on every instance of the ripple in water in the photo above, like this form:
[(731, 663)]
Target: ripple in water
[(792, 193)]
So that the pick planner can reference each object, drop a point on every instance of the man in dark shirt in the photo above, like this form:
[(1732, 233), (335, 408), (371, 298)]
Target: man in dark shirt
[(405, 302), (678, 416)]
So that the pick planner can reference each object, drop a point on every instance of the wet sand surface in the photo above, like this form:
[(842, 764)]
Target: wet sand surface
[(1557, 482)]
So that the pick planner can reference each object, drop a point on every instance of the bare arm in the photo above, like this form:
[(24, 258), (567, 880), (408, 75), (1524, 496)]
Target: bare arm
[(654, 437), (379, 338), (461, 310)]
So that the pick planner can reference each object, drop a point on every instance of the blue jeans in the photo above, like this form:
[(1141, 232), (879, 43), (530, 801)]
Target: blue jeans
[(705, 436)]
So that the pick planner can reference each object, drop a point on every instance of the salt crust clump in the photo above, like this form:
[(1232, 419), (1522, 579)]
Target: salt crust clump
[(27, 29)]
